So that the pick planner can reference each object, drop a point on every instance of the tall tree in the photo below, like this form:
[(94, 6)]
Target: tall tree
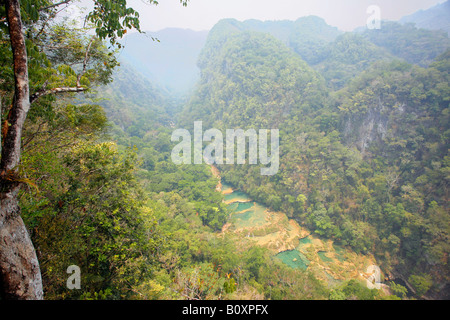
[(20, 276)]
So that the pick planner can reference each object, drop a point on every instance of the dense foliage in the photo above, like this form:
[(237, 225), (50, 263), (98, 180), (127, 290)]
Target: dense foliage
[(364, 158)]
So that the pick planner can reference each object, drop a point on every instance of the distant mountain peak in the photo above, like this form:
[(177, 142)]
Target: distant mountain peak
[(434, 18)]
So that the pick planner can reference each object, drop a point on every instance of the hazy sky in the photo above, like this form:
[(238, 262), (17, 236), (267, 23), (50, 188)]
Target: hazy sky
[(203, 14)]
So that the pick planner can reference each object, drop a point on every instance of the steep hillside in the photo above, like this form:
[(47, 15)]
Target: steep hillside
[(275, 81), (134, 103)]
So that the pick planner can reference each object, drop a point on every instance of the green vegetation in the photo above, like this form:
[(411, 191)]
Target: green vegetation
[(352, 290), (364, 159), (418, 46)]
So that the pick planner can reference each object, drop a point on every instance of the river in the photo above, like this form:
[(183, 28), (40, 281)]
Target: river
[(289, 242)]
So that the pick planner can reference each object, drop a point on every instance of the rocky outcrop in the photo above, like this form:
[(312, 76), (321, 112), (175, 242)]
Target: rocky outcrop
[(361, 130)]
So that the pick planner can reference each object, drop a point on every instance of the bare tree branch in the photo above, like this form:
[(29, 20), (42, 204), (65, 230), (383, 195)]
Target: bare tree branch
[(42, 93)]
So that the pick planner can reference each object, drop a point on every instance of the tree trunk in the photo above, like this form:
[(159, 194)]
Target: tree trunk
[(20, 276)]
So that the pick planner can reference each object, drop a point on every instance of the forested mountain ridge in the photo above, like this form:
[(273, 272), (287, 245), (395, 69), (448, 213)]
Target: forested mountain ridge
[(339, 56), (311, 37), (307, 35), (413, 44), (233, 57)]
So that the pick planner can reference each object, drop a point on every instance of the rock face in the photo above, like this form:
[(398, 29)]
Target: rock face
[(372, 127)]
